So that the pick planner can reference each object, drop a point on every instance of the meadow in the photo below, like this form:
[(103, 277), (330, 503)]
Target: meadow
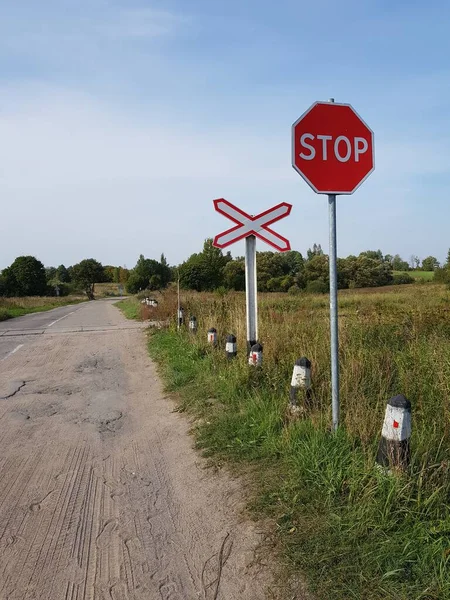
[(352, 530), (17, 307)]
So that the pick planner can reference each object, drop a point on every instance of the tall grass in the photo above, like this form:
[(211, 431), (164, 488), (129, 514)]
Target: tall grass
[(17, 307), (355, 531)]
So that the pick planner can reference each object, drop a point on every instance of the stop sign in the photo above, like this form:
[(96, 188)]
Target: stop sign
[(332, 148)]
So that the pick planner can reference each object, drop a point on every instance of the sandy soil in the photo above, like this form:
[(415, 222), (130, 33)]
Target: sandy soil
[(101, 494)]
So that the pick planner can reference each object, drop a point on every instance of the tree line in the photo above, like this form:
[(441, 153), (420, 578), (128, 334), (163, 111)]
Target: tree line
[(211, 269), (292, 272)]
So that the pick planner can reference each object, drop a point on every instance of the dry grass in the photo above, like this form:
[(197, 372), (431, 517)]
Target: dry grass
[(356, 531), (16, 307)]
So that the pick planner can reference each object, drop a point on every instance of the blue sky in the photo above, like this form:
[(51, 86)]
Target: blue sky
[(121, 121)]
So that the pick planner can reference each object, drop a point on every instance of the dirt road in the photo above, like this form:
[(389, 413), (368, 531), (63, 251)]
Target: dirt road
[(101, 494)]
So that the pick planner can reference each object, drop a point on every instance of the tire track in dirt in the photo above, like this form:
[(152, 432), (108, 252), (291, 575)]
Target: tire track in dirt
[(101, 495)]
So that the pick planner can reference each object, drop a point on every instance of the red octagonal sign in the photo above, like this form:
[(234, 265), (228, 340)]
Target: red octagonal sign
[(332, 148)]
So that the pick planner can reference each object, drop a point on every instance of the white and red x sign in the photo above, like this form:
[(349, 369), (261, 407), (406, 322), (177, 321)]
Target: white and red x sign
[(252, 225)]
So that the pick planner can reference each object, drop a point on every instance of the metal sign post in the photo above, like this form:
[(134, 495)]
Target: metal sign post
[(178, 301), (333, 150), (334, 312), (251, 291)]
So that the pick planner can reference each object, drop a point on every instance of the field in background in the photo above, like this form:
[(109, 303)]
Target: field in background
[(107, 290), (418, 275), (355, 531), (17, 307)]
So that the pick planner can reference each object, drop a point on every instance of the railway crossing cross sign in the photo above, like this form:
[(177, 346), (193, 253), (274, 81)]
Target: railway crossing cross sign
[(251, 227)]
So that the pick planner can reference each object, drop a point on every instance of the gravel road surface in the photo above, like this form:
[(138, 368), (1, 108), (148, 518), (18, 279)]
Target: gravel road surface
[(101, 494)]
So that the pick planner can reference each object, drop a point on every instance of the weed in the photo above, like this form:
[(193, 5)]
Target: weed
[(356, 532)]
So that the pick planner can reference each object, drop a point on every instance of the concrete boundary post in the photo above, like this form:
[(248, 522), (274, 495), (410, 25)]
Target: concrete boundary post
[(231, 346), (301, 382), (394, 446), (256, 355), (193, 324), (212, 336)]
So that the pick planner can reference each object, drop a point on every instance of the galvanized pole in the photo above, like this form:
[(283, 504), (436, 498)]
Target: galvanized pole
[(334, 312), (178, 301), (251, 291)]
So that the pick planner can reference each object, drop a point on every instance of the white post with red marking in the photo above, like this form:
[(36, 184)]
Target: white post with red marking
[(251, 227), (393, 449)]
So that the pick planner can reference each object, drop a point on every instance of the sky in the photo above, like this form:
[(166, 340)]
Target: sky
[(121, 121)]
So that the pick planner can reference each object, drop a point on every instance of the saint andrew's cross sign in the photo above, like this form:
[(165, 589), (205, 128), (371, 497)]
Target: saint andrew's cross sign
[(251, 227), (247, 225)]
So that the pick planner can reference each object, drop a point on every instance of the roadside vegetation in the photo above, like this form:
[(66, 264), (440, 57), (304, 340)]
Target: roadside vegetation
[(352, 530), (130, 307), (17, 307)]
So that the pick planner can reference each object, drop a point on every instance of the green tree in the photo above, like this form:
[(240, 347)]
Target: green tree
[(8, 283), (398, 264), (26, 277), (62, 274), (204, 271), (50, 273), (374, 254), (317, 268), (148, 274), (86, 274), (109, 273), (269, 266), (234, 275), (316, 250), (430, 263)]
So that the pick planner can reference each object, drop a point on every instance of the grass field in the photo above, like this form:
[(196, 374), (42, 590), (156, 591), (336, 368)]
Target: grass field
[(17, 307), (352, 530), (418, 275)]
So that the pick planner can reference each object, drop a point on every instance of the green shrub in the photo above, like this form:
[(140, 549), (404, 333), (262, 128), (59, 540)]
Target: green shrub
[(318, 286), (402, 278)]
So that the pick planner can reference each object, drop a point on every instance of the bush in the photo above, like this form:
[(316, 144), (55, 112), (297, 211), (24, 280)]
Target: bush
[(294, 290), (318, 286), (402, 278)]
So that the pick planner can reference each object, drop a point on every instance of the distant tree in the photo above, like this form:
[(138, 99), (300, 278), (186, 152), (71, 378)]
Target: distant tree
[(25, 277), (371, 272), (398, 264), (124, 274), (86, 274), (8, 283), (315, 251), (62, 274), (374, 254), (430, 263), (148, 274), (234, 275), (50, 273), (292, 262), (109, 273), (317, 268), (414, 261), (204, 271), (269, 266)]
